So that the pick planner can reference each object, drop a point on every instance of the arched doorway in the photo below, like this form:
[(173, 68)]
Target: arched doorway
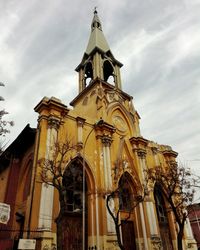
[(70, 232), (162, 218), (126, 205)]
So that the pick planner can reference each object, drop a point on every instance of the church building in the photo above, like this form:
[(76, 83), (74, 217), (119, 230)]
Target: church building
[(104, 147)]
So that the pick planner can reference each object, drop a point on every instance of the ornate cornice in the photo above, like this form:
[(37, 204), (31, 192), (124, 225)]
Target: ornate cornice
[(170, 153), (49, 104), (137, 141)]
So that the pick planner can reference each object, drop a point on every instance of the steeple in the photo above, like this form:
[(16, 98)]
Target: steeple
[(97, 38), (98, 60)]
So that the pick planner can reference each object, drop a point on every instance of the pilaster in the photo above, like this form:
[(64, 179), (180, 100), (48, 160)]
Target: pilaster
[(80, 123), (47, 192)]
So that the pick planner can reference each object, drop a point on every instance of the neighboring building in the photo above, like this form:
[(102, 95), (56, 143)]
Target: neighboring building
[(105, 125), (194, 217)]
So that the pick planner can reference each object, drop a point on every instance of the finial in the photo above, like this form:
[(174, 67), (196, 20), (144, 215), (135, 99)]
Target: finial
[(95, 10)]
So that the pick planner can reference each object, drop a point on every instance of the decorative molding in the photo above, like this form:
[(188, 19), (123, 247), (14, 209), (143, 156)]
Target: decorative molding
[(80, 121), (154, 150), (138, 141), (54, 122), (141, 153), (106, 140), (156, 242), (170, 153)]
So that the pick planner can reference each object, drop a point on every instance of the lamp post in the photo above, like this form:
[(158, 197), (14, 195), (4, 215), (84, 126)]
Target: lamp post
[(99, 122)]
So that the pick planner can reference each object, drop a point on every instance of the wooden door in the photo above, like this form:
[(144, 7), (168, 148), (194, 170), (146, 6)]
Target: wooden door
[(72, 233), (165, 236), (128, 235)]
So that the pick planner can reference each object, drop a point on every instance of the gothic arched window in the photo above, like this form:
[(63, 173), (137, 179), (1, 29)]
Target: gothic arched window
[(73, 187), (27, 184), (125, 193), (162, 218), (160, 205)]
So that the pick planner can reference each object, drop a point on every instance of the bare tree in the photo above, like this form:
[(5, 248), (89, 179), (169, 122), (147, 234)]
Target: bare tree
[(52, 172), (175, 184), (4, 124)]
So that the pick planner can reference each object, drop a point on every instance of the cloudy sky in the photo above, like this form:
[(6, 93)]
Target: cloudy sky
[(158, 41)]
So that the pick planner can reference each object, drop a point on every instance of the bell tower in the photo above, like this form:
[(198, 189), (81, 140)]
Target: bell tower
[(98, 60)]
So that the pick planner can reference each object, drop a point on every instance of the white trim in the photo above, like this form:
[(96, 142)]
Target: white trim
[(143, 227)]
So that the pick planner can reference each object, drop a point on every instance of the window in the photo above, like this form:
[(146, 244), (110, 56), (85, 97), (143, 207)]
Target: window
[(125, 193), (73, 187), (27, 183), (160, 205)]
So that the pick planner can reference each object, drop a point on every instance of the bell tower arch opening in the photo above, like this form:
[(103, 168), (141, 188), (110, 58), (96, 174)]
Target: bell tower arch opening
[(88, 73), (108, 72)]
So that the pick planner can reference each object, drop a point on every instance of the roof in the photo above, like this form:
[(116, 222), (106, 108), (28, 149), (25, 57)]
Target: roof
[(24, 140), (97, 80), (97, 38)]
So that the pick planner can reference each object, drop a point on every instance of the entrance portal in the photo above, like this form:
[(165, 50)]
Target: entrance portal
[(70, 222)]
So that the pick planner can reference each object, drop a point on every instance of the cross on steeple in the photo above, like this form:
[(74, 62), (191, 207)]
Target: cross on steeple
[(95, 10)]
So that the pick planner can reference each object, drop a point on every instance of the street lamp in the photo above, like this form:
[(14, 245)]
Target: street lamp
[(98, 123)]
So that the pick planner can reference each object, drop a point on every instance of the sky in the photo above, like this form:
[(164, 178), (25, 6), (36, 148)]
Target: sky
[(158, 42)]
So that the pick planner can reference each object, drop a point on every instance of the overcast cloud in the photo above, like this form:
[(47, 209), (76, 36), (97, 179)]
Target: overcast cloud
[(158, 41)]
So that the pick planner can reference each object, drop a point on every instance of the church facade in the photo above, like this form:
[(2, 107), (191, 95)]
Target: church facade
[(104, 125)]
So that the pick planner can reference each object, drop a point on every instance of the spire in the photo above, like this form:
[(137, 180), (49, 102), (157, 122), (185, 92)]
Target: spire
[(97, 38), (96, 21), (98, 60)]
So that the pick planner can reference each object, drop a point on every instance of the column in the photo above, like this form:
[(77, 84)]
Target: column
[(188, 228), (155, 155), (142, 158), (142, 155), (80, 123), (152, 217), (106, 140), (47, 192)]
